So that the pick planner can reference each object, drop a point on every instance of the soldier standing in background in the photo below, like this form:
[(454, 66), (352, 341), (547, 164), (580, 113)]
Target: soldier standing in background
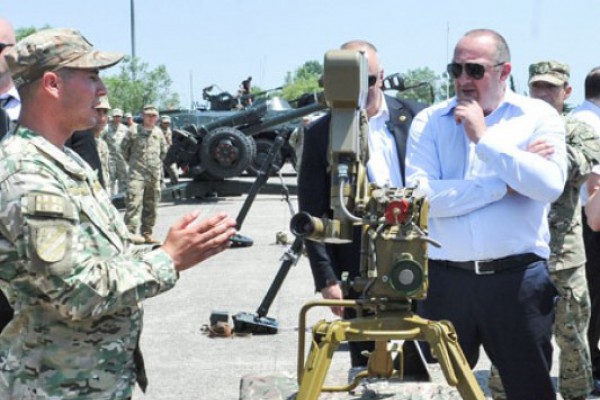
[(165, 126), (129, 122), (144, 147), (549, 81), (118, 167), (245, 92), (101, 145)]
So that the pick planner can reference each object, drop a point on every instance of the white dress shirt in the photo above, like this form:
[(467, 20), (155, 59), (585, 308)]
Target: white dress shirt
[(383, 167), (471, 212), (13, 106)]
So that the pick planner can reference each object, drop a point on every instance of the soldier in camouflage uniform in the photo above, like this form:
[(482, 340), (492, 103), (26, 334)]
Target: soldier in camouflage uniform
[(113, 136), (165, 126), (549, 81), (144, 147), (129, 122), (68, 268), (101, 145)]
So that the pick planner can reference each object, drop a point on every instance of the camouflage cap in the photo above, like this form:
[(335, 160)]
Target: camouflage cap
[(128, 115), (165, 118), (104, 103), (117, 112), (150, 110), (553, 72), (51, 50)]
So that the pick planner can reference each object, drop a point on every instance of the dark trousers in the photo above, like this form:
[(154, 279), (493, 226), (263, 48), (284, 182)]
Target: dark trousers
[(510, 313), (6, 311), (592, 271)]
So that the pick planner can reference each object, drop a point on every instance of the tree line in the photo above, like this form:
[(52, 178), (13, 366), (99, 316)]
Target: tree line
[(136, 84)]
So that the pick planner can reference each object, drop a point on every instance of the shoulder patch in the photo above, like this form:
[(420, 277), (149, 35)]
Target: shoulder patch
[(52, 241), (46, 204)]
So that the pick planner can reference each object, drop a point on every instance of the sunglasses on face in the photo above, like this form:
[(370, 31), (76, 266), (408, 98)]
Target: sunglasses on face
[(372, 80), (473, 70), (4, 45)]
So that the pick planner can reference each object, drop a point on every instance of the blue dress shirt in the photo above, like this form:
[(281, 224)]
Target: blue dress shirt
[(472, 212)]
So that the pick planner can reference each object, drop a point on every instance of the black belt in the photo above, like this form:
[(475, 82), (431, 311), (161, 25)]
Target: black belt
[(487, 267)]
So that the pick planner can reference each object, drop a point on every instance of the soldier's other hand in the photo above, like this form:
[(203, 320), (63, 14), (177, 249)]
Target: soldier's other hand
[(334, 292), (190, 241), (541, 148)]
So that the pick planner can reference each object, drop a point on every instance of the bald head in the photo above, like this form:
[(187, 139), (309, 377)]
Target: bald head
[(374, 96), (501, 50), (370, 51)]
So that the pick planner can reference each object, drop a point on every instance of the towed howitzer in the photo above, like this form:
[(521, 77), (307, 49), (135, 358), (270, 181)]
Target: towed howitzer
[(225, 147), (393, 261)]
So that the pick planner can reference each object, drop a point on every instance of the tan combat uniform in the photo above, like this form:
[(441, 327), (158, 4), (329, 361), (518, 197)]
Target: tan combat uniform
[(144, 151)]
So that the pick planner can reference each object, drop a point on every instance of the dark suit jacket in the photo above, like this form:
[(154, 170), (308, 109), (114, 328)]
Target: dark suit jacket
[(84, 144), (328, 261)]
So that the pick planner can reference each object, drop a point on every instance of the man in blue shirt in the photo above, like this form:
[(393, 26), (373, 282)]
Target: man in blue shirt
[(489, 201)]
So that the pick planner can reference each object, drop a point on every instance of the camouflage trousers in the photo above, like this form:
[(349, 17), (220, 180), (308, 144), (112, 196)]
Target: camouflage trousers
[(572, 313), (142, 198), (173, 174), (118, 175)]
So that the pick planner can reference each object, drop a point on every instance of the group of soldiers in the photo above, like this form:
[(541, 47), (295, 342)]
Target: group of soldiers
[(131, 157)]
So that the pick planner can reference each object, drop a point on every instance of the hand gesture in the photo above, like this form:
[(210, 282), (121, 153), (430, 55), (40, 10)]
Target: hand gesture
[(189, 242)]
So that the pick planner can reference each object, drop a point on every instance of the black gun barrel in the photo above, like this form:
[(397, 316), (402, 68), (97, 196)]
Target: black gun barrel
[(282, 117), (247, 116)]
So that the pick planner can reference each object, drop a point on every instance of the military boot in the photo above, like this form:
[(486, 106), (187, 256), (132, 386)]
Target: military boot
[(149, 239), (136, 239)]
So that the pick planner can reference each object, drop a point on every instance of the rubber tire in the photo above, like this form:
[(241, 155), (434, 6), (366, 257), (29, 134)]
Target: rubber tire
[(263, 146), (242, 143)]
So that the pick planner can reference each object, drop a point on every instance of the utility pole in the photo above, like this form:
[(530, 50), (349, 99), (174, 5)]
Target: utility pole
[(132, 12)]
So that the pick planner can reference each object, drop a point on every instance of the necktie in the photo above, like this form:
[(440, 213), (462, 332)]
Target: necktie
[(5, 100)]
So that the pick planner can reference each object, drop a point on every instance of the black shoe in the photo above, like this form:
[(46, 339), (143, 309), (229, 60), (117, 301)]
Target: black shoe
[(238, 240), (596, 389)]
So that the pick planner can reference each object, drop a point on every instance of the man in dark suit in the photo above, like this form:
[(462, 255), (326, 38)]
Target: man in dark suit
[(389, 122)]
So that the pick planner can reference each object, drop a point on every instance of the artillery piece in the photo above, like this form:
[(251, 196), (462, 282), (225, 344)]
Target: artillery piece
[(223, 144)]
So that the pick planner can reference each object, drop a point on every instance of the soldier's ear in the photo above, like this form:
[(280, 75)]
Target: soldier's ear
[(568, 90)]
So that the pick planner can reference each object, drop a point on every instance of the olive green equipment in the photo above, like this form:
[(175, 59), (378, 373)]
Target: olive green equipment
[(393, 264)]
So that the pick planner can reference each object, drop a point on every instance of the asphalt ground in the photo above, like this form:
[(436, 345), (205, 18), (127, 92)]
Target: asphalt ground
[(183, 362)]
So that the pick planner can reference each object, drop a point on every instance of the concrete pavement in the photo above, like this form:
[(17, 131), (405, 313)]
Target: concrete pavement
[(183, 363)]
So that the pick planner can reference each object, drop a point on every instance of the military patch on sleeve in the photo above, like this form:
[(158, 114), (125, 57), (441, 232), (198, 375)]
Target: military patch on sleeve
[(49, 205), (51, 242)]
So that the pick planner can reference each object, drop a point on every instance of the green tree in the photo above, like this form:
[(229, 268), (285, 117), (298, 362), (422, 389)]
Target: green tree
[(23, 32), (148, 87), (422, 84), (304, 80)]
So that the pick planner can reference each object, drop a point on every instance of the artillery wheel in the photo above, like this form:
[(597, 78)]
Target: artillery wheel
[(263, 146), (226, 152)]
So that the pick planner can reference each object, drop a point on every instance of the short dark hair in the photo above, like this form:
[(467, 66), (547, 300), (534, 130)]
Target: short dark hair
[(502, 50), (592, 84)]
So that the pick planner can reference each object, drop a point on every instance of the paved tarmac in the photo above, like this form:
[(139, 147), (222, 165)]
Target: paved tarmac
[(182, 362)]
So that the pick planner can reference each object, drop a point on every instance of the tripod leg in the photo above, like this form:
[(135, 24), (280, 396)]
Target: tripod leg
[(441, 336), (319, 360)]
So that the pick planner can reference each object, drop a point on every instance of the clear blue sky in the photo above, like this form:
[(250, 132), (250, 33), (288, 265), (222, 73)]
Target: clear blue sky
[(203, 42)]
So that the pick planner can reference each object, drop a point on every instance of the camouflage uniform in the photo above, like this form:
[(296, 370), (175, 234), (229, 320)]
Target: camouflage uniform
[(74, 280), (171, 169), (567, 268), (104, 154), (144, 150), (118, 166)]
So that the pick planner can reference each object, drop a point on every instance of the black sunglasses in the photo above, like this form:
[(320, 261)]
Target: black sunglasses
[(4, 45), (473, 70), (372, 80)]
